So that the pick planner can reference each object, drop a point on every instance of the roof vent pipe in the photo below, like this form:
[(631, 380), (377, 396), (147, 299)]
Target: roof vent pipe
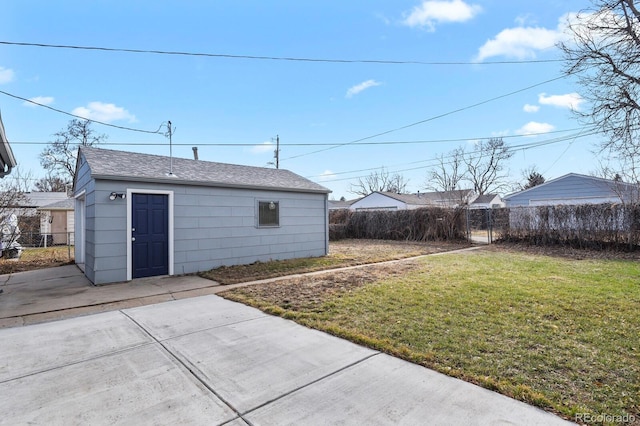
[(195, 152)]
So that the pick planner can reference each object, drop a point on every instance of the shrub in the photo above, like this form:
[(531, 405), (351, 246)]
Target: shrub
[(424, 224)]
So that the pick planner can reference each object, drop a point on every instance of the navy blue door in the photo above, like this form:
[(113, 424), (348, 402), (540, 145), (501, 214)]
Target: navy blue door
[(150, 235)]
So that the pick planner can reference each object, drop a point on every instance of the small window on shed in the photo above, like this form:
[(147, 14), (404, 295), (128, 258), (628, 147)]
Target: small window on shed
[(268, 213)]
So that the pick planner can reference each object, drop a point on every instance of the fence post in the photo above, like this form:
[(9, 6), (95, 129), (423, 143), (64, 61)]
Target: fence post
[(468, 225), (490, 225)]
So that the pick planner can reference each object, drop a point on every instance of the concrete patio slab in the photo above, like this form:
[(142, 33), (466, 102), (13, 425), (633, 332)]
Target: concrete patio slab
[(53, 290), (138, 386), (47, 346), (237, 422), (62, 273), (254, 362), (167, 320), (383, 390)]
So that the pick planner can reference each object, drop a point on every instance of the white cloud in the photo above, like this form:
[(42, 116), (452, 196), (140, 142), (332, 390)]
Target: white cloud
[(519, 43), (523, 42), (533, 128), (361, 87), (433, 12), (569, 100), (530, 108), (500, 133), (6, 75), (327, 175), (523, 20), (42, 100), (262, 148), (101, 111)]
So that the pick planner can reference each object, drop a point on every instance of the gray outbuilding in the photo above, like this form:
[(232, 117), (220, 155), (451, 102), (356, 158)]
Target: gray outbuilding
[(139, 215), (573, 189)]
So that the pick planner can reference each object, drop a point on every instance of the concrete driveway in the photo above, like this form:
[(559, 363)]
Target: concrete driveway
[(210, 361), (63, 292)]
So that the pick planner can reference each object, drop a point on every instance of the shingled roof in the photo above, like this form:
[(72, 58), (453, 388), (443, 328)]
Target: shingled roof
[(121, 165), (66, 204), (429, 198)]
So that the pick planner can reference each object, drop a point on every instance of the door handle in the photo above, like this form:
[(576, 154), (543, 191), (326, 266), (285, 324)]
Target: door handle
[(133, 238)]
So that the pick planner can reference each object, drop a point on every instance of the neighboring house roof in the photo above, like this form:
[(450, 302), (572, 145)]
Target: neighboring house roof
[(575, 187), (121, 165), (7, 160), (409, 199), (484, 198), (339, 204), (376, 200), (430, 198), (38, 199), (67, 204)]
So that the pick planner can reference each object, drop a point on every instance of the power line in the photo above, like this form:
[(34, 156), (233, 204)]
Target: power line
[(311, 144), (521, 147), (83, 118), (272, 58), (430, 118)]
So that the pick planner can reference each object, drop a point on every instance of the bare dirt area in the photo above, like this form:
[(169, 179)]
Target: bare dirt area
[(310, 292), (342, 253), (365, 251)]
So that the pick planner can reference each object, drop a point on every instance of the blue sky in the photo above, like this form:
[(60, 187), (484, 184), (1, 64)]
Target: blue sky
[(232, 108)]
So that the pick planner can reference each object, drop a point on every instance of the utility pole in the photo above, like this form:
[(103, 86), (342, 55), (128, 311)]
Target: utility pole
[(276, 153), (170, 148)]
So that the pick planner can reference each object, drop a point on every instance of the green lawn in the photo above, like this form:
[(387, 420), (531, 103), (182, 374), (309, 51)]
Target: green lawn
[(557, 333)]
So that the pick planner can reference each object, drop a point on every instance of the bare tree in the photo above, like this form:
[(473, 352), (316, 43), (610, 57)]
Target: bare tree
[(532, 177), (380, 181), (19, 181), (486, 166), (59, 157), (448, 173), (624, 183), (51, 183), (604, 53)]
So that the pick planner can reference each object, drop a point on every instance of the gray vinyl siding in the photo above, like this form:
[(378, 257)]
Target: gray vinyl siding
[(84, 182), (216, 226), (569, 189), (108, 231)]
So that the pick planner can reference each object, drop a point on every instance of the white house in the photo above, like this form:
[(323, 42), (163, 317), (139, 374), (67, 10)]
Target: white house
[(36, 232), (341, 205), (487, 201), (139, 215), (393, 201), (57, 221)]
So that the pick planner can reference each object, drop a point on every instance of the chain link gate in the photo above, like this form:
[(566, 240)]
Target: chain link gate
[(486, 225)]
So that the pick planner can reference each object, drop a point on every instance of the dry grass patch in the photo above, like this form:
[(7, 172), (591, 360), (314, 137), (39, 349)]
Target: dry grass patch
[(37, 258), (341, 253)]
